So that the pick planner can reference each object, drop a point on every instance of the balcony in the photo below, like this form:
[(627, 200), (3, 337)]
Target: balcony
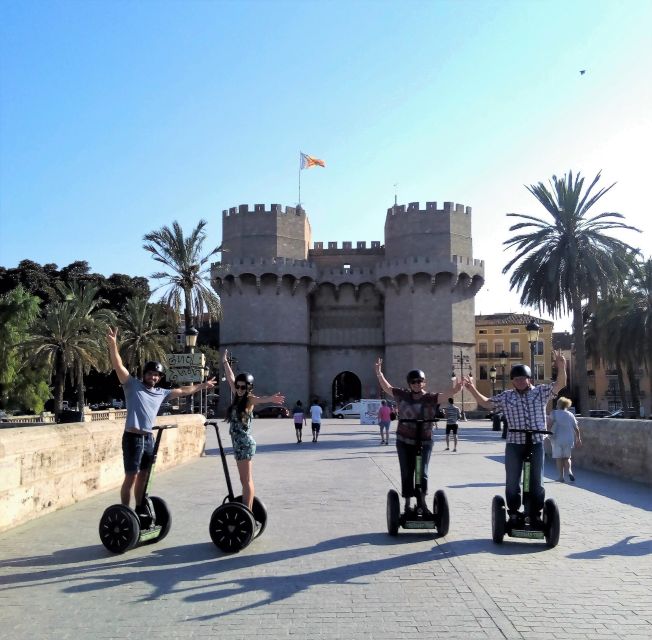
[(491, 355)]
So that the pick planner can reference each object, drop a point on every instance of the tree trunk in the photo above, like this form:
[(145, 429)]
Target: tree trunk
[(81, 400), (621, 385), (581, 376), (59, 384), (633, 391), (187, 312)]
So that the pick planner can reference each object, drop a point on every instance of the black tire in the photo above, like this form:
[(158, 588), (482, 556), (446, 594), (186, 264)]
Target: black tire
[(441, 512), (163, 518), (498, 519), (393, 512), (260, 514), (551, 523), (119, 528), (339, 416), (232, 527)]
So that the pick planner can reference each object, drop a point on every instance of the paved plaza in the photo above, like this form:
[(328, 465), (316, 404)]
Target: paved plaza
[(325, 566)]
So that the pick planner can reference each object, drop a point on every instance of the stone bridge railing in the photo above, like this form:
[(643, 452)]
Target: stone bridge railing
[(46, 467)]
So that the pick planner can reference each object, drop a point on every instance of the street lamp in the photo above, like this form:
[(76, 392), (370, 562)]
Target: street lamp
[(503, 362), (191, 343), (532, 337), (492, 377)]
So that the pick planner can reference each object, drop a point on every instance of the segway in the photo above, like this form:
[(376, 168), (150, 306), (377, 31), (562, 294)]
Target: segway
[(530, 523), (420, 517), (233, 526), (122, 528)]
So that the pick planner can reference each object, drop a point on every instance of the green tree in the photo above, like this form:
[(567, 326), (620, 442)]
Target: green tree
[(188, 271), (21, 386), (568, 261), (147, 333), (62, 340)]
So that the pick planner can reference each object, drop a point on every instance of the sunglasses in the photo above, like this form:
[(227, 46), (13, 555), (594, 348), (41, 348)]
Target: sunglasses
[(417, 381), (241, 387)]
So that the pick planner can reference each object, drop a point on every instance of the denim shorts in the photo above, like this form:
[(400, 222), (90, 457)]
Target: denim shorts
[(137, 451)]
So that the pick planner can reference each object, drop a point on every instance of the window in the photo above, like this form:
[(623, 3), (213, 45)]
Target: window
[(498, 347), (482, 331), (514, 348), (482, 348), (539, 348), (483, 372), (539, 371), (514, 330)]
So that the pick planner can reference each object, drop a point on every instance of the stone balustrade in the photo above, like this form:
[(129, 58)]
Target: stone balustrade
[(46, 467)]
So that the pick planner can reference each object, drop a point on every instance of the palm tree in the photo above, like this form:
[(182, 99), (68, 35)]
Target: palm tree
[(188, 270), (147, 332), (569, 260), (62, 339), (87, 304)]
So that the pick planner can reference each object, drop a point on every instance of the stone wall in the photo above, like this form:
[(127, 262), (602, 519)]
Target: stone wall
[(44, 468), (621, 448)]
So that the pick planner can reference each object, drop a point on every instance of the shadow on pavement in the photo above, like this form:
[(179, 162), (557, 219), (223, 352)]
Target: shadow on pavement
[(623, 547)]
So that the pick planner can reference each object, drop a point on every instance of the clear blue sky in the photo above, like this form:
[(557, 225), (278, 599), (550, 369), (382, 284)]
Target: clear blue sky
[(120, 117)]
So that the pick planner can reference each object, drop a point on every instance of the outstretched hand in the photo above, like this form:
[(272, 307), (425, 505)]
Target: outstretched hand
[(210, 383), (111, 335), (379, 366), (278, 398)]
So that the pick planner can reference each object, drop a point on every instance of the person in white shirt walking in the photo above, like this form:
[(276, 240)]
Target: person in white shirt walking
[(315, 417)]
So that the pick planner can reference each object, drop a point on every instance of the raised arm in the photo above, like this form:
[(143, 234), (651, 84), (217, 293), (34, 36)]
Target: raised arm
[(382, 381), (560, 363), (194, 388), (454, 390), (277, 398), (483, 401), (114, 354), (228, 372)]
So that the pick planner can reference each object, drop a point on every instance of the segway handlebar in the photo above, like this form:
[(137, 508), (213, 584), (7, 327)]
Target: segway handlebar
[(164, 426)]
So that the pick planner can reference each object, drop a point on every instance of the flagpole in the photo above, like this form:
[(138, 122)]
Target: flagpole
[(299, 179)]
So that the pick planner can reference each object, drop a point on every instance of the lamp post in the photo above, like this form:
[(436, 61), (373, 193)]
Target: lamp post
[(461, 359), (532, 337), (492, 377), (191, 343), (503, 362)]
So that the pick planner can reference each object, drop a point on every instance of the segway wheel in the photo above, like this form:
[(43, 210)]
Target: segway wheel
[(119, 528), (498, 521), (551, 523), (163, 519), (393, 512), (232, 527), (441, 512), (260, 515)]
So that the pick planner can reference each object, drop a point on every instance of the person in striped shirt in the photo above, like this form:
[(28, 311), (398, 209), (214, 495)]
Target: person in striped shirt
[(453, 414), (525, 408)]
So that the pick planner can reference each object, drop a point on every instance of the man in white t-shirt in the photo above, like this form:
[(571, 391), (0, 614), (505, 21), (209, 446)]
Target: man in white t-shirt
[(315, 417)]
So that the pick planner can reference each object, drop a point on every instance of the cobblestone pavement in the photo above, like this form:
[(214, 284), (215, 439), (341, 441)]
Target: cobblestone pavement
[(325, 566)]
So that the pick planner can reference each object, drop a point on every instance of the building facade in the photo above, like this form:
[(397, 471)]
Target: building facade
[(310, 321), (505, 333)]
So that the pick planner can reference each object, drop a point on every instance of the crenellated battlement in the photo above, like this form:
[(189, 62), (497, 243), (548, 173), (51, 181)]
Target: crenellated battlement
[(431, 207), (347, 247), (274, 209)]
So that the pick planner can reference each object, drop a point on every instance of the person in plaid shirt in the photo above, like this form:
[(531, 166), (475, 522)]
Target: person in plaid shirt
[(524, 406)]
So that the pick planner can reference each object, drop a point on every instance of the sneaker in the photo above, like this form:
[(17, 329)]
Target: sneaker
[(446, 449), (454, 450), (571, 477)]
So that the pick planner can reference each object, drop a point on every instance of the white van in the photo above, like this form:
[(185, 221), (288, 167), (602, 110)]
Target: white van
[(351, 410), (366, 410)]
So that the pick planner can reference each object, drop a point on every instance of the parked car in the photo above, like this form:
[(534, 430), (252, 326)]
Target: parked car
[(599, 413), (272, 411), (620, 413)]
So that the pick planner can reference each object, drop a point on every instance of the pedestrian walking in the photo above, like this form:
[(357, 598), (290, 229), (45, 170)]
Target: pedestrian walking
[(453, 415), (384, 420), (525, 408), (315, 420), (300, 421), (414, 403), (239, 416), (565, 436), (143, 399)]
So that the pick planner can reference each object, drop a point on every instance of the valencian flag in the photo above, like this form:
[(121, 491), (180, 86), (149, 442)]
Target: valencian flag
[(307, 162)]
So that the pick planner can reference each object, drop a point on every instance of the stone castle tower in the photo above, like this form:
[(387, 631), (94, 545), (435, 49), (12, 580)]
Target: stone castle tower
[(311, 322)]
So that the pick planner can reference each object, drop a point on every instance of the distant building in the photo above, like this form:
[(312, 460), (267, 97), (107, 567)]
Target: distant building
[(505, 332), (310, 321)]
